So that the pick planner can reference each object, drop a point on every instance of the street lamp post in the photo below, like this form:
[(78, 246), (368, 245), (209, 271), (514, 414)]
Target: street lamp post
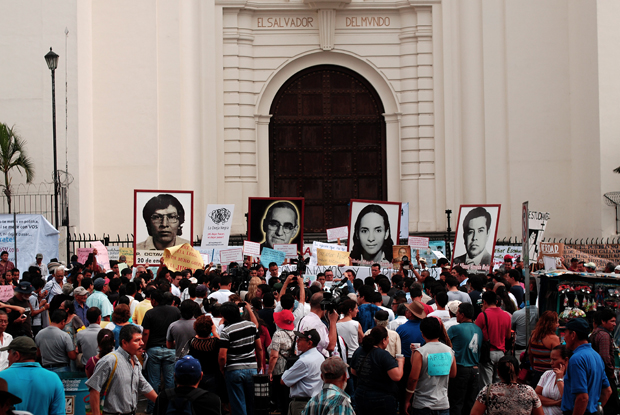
[(52, 63)]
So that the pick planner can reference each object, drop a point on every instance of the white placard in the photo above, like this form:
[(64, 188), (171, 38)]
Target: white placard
[(418, 242), (147, 256), (35, 235), (205, 259), (113, 253), (334, 234), (218, 222), (231, 255), (251, 248), (289, 249)]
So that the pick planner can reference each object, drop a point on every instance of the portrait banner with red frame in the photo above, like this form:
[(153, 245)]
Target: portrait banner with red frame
[(476, 233)]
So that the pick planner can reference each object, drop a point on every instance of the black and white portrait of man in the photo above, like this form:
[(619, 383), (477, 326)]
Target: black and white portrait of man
[(162, 219), (275, 221), (475, 237)]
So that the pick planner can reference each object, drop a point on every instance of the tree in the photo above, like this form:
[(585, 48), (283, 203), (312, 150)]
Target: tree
[(13, 155), (617, 170)]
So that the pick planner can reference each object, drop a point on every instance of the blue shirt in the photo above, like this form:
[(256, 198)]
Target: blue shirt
[(466, 339), (304, 377), (366, 316), (40, 390), (585, 374), (409, 333), (81, 313), (101, 301)]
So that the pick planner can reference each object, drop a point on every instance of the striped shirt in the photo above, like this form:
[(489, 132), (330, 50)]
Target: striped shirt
[(540, 356), (238, 338)]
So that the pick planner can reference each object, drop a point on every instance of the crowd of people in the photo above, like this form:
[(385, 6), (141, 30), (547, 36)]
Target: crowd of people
[(206, 340)]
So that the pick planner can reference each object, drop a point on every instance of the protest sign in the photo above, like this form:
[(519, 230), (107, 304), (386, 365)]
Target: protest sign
[(231, 255), (438, 246), (550, 249), (82, 254), (113, 253), (503, 250), (122, 266), (289, 249), (269, 255), (251, 248), (322, 245), (102, 254), (218, 222), (34, 235), (537, 222), (404, 220), (128, 252), (417, 242), (6, 292), (399, 252), (331, 257), (600, 254), (146, 256), (439, 364), (182, 257), (473, 250), (339, 272), (334, 234)]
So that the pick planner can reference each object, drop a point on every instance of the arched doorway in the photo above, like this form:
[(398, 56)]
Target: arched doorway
[(327, 143)]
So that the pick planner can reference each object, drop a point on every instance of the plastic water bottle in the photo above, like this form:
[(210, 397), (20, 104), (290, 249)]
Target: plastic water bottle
[(599, 409)]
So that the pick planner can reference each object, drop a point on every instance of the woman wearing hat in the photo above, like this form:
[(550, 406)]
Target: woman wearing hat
[(282, 346)]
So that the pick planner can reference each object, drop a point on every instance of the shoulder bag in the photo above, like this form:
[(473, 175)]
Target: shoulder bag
[(485, 347), (102, 395)]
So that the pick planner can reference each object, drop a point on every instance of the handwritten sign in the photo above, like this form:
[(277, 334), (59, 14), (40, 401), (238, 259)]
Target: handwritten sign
[(180, 257), (269, 255), (439, 364), (331, 257), (102, 254), (6, 292), (251, 248), (334, 234), (113, 252), (82, 254), (289, 249), (231, 255), (418, 242), (128, 252)]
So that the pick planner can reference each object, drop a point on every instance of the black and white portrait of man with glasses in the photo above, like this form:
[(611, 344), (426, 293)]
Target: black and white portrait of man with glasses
[(164, 217), (275, 221)]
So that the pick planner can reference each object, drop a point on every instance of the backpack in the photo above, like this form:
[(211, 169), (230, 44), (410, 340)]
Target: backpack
[(182, 405)]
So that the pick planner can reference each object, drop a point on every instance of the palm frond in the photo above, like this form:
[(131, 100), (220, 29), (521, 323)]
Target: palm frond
[(617, 170)]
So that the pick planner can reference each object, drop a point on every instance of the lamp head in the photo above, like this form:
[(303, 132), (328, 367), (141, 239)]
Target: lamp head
[(52, 60)]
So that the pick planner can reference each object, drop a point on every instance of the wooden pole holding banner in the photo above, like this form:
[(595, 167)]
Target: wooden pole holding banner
[(526, 265), (15, 237)]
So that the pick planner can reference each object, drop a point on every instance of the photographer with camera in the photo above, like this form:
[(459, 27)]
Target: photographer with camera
[(327, 344)]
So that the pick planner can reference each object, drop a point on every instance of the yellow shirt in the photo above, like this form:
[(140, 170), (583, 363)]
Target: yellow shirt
[(140, 311)]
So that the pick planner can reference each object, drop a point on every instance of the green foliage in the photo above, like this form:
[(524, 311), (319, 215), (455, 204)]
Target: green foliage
[(13, 156)]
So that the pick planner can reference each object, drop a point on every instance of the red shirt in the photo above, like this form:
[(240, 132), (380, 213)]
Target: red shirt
[(498, 329), (427, 308)]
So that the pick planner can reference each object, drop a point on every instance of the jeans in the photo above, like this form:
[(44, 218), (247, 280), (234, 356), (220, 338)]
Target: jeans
[(488, 374), (160, 363), (426, 411), (373, 402), (59, 369), (240, 387), (463, 389)]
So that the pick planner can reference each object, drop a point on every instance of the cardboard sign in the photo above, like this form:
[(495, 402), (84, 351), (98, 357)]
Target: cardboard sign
[(180, 257), (550, 249), (334, 234), (289, 249), (417, 242), (269, 255), (331, 257), (251, 248), (231, 255), (218, 223), (128, 252), (102, 254), (82, 254), (439, 364), (6, 292), (147, 256)]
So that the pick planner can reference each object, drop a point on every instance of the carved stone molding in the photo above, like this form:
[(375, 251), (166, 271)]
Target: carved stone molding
[(327, 28)]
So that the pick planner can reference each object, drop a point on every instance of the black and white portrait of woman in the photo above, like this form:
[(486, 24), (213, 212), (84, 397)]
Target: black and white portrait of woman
[(371, 231)]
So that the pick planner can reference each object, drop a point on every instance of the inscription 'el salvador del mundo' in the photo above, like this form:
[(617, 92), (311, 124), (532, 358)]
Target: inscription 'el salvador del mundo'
[(273, 22)]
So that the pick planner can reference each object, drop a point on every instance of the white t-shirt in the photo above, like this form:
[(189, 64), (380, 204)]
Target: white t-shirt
[(444, 315), (349, 330), (550, 390), (221, 295)]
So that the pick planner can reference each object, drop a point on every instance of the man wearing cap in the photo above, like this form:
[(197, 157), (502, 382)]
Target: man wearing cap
[(39, 264), (41, 390), (54, 285), (100, 300), (332, 400), (55, 345), (187, 376), (81, 309), (304, 377), (453, 308), (313, 320), (127, 382), (20, 324), (590, 267), (585, 381), (507, 265), (409, 334), (5, 264), (466, 339)]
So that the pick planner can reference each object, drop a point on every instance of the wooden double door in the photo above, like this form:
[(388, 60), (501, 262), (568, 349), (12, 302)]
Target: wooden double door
[(327, 144)]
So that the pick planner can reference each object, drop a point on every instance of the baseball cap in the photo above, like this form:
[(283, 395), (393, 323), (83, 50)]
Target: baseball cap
[(617, 268), (578, 325), (187, 369), (99, 283), (67, 289), (21, 344), (590, 265), (311, 335), (508, 258), (39, 256), (24, 287), (453, 306), (80, 291)]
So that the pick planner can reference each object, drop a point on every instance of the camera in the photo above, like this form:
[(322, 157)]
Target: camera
[(301, 264), (240, 275), (406, 263), (331, 299)]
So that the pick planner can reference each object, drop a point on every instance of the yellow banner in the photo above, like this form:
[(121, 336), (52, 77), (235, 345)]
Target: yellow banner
[(329, 257), (128, 252), (180, 257)]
